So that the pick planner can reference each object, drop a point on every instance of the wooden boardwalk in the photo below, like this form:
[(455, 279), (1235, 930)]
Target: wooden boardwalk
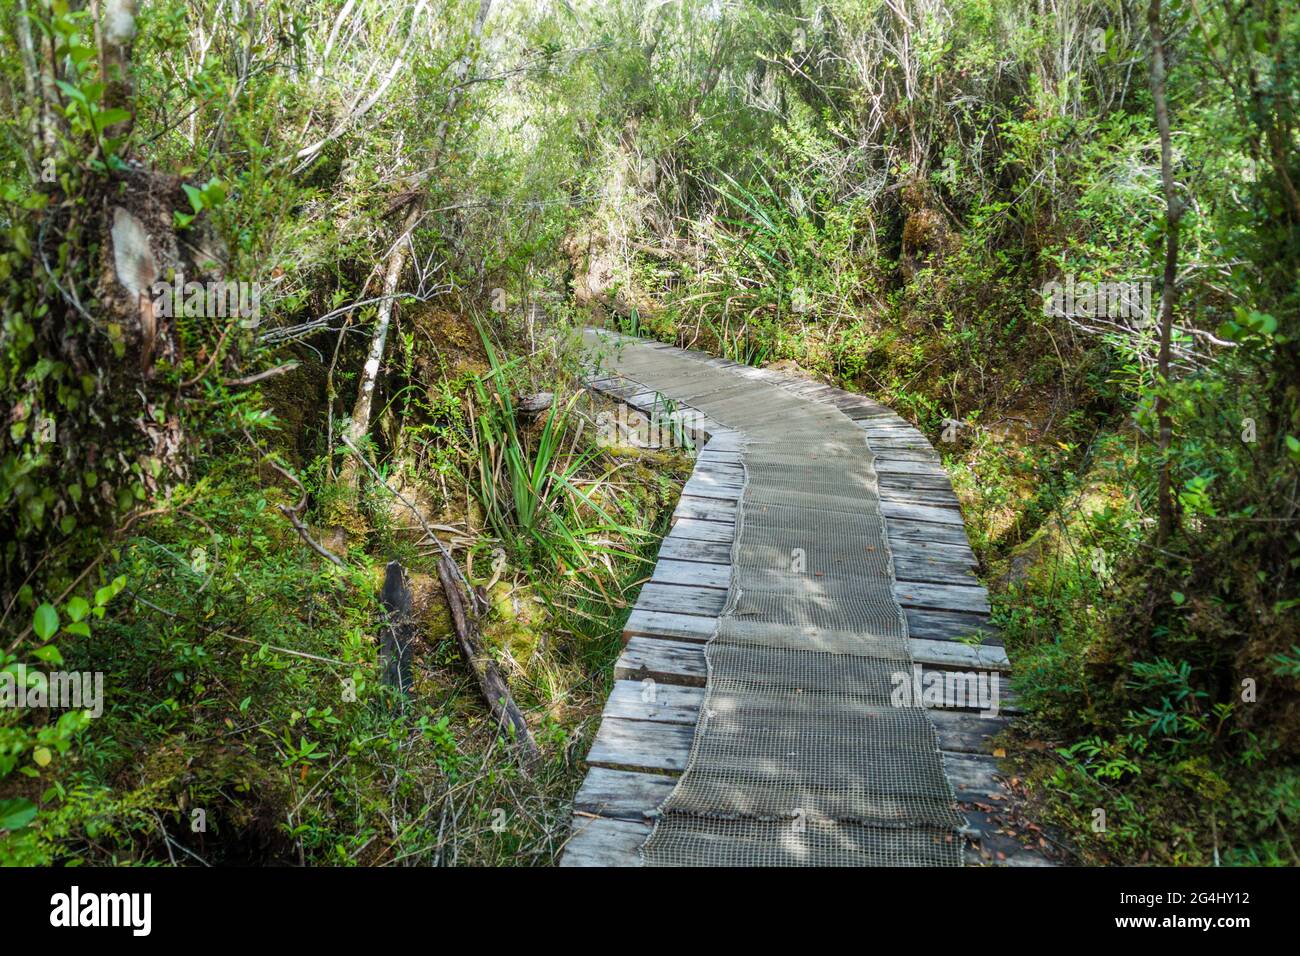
[(644, 739)]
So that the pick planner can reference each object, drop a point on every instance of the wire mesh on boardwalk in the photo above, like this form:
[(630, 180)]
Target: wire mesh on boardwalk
[(800, 756)]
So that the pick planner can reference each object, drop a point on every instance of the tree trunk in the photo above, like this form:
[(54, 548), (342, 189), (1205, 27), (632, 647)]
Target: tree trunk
[(361, 411), (360, 423), (1169, 288), (115, 29), (31, 83)]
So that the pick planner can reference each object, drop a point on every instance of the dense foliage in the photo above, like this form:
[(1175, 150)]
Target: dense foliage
[(882, 194), (877, 192)]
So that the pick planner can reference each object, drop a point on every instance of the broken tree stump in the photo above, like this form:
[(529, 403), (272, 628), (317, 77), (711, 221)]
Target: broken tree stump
[(529, 408), (397, 639)]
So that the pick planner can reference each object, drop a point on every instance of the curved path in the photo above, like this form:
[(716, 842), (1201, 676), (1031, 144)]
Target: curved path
[(884, 780)]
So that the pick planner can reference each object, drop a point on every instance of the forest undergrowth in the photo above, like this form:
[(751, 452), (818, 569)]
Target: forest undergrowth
[(293, 292)]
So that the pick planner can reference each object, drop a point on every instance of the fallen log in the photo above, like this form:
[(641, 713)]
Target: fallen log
[(491, 684)]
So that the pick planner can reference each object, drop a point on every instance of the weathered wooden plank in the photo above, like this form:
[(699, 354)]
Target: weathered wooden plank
[(641, 744), (717, 532), (596, 841), (930, 532), (692, 549), (823, 394), (682, 599), (724, 441), (681, 660), (705, 509), (889, 447), (937, 489), (808, 390), (925, 497), (996, 848), (719, 455), (895, 483), (971, 598), (649, 700), (888, 465), (622, 794), (647, 398), (732, 470), (862, 414), (964, 732), (922, 564), (661, 624), (954, 655), (603, 842), (931, 569), (973, 776), (918, 549), (960, 731), (883, 433), (699, 487), (664, 747), (920, 456), (895, 510), (619, 392), (665, 661), (696, 573), (949, 626)]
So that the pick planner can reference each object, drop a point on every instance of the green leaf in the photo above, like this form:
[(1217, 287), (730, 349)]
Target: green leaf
[(45, 622), (1178, 597), (16, 813), (214, 193), (79, 53), (77, 608), (71, 92), (195, 197), (20, 240), (49, 654), (110, 117)]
